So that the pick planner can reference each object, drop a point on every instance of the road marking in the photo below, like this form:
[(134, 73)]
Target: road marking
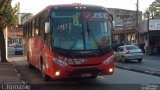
[(19, 75), (15, 70)]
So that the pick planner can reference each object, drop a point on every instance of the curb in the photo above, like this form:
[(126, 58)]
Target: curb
[(140, 70)]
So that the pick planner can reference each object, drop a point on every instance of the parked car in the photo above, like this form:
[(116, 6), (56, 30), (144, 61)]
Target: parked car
[(128, 52), (19, 49)]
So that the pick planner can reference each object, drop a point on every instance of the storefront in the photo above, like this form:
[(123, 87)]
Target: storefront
[(154, 42), (154, 36)]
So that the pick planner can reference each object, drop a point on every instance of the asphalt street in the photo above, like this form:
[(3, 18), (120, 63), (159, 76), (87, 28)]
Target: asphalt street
[(149, 65), (122, 79)]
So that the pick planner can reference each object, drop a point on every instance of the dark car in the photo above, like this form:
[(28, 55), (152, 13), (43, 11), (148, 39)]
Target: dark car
[(19, 50)]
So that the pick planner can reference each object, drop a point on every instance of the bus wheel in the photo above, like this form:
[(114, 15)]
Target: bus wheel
[(44, 76), (29, 65)]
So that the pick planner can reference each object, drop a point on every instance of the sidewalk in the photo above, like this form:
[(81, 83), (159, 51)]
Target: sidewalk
[(9, 74)]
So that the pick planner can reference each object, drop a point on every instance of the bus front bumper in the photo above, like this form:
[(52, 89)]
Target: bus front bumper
[(83, 71)]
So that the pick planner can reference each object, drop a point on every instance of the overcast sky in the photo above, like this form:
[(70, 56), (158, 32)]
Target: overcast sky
[(34, 6)]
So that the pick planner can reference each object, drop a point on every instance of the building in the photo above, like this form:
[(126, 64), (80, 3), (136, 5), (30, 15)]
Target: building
[(126, 28), (15, 35), (151, 36)]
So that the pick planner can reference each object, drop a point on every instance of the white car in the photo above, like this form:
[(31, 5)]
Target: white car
[(128, 52)]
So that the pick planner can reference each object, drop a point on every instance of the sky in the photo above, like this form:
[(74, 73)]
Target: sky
[(35, 6)]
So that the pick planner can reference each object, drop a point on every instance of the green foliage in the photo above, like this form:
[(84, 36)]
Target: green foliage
[(26, 15), (7, 13), (158, 1), (154, 10)]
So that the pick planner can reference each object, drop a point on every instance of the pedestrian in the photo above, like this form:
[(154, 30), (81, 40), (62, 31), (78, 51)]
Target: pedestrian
[(142, 46)]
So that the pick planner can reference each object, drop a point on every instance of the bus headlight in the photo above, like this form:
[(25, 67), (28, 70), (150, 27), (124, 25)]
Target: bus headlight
[(109, 59), (59, 62)]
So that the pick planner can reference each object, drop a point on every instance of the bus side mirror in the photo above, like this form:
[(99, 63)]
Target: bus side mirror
[(111, 16), (113, 23), (47, 29)]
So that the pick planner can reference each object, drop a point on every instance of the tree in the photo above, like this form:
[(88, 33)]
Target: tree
[(154, 10), (158, 1), (7, 18), (26, 16)]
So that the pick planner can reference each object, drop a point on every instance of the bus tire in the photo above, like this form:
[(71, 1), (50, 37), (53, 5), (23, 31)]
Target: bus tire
[(44, 76), (29, 65)]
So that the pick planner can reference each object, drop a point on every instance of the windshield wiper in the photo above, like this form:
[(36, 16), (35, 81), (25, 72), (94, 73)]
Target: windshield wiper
[(90, 34), (75, 42), (93, 37), (84, 41)]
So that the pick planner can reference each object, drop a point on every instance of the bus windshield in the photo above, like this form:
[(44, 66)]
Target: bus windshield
[(80, 30)]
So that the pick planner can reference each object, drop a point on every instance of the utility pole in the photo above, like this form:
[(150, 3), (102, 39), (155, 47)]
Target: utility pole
[(19, 15), (148, 49), (148, 18), (137, 22)]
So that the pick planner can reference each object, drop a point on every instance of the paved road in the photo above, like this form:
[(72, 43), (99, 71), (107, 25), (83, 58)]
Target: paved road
[(122, 79), (150, 65)]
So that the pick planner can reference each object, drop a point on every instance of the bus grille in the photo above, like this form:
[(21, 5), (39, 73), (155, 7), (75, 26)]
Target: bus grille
[(93, 71), (81, 65)]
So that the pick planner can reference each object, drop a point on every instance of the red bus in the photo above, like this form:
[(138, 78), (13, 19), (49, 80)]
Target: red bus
[(70, 41)]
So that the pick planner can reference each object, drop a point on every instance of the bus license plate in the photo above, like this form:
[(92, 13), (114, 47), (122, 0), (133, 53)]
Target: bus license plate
[(86, 75)]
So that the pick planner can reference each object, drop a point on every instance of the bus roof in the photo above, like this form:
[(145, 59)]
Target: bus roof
[(73, 5), (48, 8)]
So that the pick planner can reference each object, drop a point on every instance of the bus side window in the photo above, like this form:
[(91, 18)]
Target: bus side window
[(37, 27), (30, 29), (33, 28), (42, 20), (41, 30)]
